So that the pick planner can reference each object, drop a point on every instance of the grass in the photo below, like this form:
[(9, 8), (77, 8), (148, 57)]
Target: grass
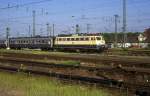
[(23, 85), (75, 63), (36, 52), (66, 62)]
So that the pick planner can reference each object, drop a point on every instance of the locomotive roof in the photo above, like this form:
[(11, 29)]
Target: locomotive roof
[(80, 34), (30, 37)]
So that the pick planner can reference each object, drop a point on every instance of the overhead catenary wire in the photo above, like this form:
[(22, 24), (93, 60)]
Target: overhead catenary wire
[(48, 13), (25, 4), (25, 23), (105, 21)]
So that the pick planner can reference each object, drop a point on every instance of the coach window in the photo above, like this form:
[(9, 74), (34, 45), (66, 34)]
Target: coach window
[(87, 39), (43, 41), (36, 41), (72, 39), (98, 38), (10, 41), (64, 39), (82, 39), (60, 39), (77, 39), (68, 39), (30, 41), (92, 38)]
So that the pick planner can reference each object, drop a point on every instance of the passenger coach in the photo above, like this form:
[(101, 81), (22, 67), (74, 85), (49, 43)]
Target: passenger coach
[(2, 44), (44, 43)]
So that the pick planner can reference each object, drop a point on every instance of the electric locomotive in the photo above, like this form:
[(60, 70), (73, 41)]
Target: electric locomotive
[(87, 42)]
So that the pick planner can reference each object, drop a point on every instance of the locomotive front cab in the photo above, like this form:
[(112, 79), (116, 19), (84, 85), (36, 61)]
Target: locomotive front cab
[(100, 42)]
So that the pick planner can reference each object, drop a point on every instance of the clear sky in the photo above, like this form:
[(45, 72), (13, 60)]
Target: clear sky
[(65, 14)]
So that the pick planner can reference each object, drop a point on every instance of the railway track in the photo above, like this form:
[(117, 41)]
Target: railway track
[(46, 72), (139, 53), (81, 73), (128, 52), (88, 59), (46, 64)]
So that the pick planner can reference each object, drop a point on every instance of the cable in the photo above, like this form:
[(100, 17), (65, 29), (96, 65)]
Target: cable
[(25, 4), (24, 23), (22, 17)]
